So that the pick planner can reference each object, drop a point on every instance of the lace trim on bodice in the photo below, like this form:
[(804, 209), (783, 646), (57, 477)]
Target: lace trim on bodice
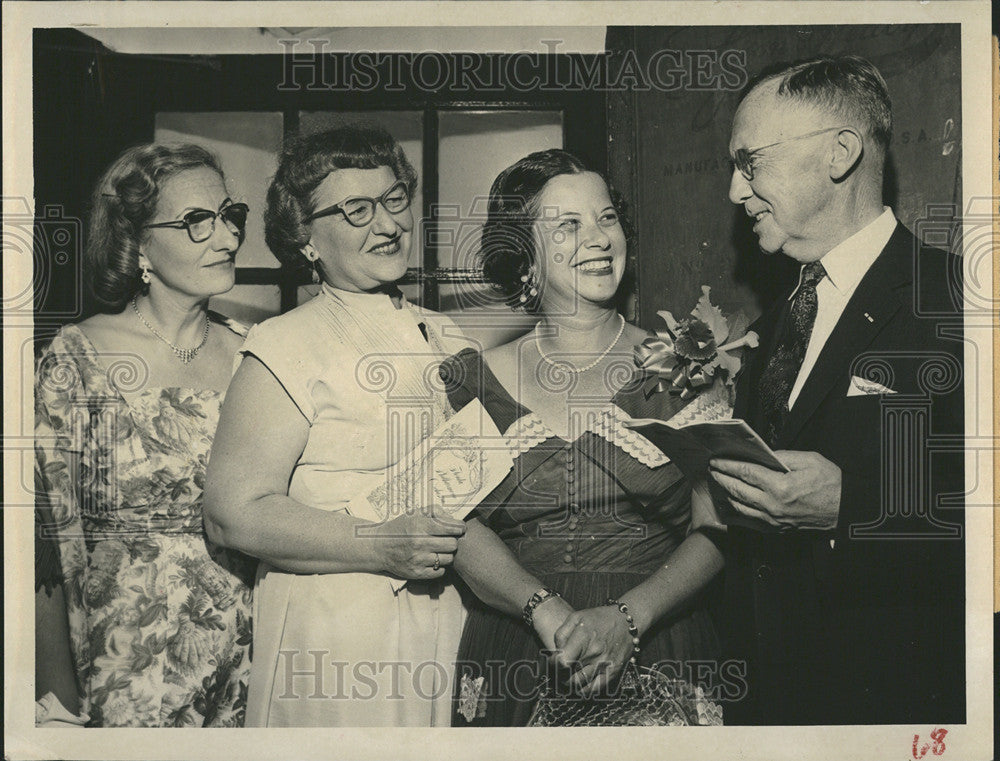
[(704, 409), (610, 427), (529, 430), (526, 433)]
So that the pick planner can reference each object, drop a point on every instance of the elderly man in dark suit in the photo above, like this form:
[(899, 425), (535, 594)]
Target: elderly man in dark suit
[(845, 575)]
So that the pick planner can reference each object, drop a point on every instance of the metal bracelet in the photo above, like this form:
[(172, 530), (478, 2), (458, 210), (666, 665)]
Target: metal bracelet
[(543, 594)]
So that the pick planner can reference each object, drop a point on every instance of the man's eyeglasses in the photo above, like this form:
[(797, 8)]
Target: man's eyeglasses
[(743, 159), (359, 211), (200, 223)]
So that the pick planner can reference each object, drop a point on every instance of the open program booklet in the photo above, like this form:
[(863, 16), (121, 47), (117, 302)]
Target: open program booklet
[(691, 446), (692, 438)]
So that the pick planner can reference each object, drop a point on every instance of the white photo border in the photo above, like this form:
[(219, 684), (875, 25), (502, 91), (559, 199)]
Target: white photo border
[(22, 740)]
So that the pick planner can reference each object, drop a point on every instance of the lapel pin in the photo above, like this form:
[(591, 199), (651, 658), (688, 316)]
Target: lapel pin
[(869, 317)]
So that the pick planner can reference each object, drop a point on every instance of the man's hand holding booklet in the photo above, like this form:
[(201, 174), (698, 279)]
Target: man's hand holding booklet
[(691, 446)]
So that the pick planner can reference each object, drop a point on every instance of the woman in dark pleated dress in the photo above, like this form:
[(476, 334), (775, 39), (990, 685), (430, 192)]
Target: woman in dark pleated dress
[(591, 510)]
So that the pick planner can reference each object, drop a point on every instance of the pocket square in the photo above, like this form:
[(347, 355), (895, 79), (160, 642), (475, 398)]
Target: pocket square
[(863, 387)]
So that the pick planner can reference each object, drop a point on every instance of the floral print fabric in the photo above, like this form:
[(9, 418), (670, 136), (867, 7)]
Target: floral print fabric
[(159, 619)]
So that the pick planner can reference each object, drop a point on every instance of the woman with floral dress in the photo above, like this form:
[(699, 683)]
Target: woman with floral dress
[(127, 401)]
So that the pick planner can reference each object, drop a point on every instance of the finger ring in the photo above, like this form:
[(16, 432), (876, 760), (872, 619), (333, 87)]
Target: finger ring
[(437, 562)]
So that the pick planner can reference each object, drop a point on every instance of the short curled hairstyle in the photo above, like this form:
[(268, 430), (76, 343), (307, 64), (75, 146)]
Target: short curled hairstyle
[(848, 86), (305, 162), (507, 247), (125, 200)]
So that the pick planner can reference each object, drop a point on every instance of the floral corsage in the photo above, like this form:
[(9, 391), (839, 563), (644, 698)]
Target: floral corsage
[(693, 353)]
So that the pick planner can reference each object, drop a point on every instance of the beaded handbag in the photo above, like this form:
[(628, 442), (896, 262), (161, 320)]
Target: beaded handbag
[(644, 697)]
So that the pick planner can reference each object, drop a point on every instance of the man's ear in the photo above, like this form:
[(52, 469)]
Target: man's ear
[(846, 152)]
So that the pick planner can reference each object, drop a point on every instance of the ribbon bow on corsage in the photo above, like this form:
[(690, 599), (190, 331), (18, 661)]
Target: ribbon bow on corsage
[(692, 352)]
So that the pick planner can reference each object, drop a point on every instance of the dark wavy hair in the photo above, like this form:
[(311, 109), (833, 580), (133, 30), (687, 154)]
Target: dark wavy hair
[(507, 247), (849, 86), (124, 200), (305, 162)]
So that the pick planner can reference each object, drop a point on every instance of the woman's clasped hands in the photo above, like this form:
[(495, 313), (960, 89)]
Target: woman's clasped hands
[(592, 644)]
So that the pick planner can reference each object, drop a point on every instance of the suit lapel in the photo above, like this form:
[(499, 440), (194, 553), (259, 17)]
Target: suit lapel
[(877, 298)]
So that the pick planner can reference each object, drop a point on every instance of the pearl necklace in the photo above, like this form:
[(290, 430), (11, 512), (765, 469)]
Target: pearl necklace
[(566, 366), (184, 355)]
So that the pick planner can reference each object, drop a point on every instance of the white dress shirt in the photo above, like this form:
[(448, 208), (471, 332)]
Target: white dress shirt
[(845, 264)]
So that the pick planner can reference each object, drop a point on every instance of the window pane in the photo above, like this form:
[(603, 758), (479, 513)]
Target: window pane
[(249, 303), (247, 145), (475, 147)]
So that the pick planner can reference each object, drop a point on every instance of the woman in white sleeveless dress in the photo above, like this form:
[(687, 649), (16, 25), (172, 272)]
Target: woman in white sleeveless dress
[(354, 624)]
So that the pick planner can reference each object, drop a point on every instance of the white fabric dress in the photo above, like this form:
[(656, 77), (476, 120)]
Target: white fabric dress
[(353, 649)]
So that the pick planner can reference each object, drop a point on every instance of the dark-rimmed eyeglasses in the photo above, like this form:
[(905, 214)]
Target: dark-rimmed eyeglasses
[(200, 223), (359, 210), (743, 158)]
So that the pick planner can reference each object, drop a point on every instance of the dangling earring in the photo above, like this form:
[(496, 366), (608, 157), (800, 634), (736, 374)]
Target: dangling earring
[(529, 287), (310, 253), (145, 273)]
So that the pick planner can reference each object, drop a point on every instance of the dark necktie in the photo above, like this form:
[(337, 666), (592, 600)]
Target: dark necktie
[(786, 360)]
